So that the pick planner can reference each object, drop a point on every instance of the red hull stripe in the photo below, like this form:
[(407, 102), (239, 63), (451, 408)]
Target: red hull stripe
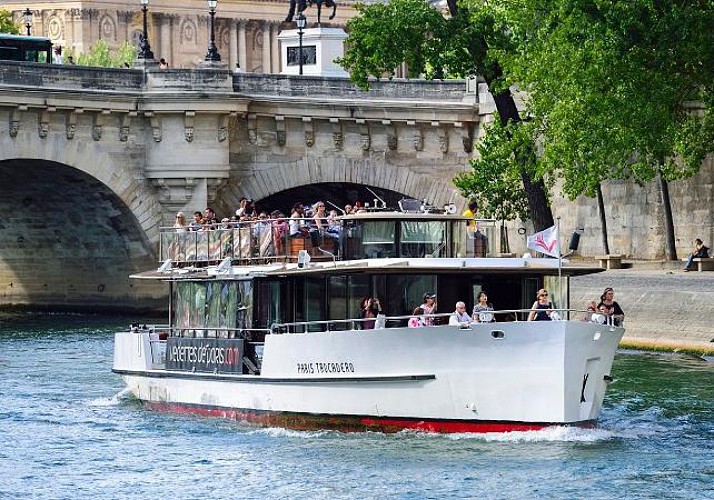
[(353, 423)]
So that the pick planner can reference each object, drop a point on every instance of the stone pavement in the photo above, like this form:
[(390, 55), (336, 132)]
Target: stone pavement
[(663, 305)]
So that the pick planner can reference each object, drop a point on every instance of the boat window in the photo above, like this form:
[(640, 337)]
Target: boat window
[(423, 238), (315, 301), (378, 239), (405, 292), (221, 305), (338, 301)]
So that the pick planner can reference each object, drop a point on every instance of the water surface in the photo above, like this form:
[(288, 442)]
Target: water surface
[(68, 431)]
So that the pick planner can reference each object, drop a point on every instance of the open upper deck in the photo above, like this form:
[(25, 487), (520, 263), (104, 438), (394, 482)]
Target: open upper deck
[(368, 235)]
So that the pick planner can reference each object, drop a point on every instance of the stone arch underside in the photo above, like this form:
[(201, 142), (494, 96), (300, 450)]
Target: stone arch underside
[(69, 242), (423, 182)]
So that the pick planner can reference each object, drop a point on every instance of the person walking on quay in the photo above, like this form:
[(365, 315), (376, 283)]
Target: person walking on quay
[(700, 251)]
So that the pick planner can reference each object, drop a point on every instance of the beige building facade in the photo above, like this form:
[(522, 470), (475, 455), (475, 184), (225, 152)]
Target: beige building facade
[(246, 31)]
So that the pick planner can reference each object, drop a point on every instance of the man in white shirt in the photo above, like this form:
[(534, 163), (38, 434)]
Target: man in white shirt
[(460, 317)]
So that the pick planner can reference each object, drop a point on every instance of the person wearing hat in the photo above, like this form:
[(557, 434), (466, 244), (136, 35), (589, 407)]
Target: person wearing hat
[(429, 307)]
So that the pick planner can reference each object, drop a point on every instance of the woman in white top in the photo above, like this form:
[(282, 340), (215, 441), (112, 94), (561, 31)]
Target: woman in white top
[(180, 224)]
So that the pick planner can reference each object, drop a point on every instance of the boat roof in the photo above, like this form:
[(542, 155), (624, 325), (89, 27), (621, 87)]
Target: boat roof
[(471, 265)]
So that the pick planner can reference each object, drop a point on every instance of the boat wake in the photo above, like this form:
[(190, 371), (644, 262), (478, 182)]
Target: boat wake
[(114, 400)]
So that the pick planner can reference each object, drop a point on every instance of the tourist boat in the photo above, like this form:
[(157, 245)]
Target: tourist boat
[(264, 329)]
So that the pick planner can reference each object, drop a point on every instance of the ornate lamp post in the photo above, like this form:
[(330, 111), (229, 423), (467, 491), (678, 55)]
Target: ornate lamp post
[(144, 47), (27, 16), (212, 55), (301, 23)]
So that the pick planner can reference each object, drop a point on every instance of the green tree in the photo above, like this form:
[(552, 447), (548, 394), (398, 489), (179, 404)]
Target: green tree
[(101, 55), (382, 36), (494, 181), (619, 89), (6, 23)]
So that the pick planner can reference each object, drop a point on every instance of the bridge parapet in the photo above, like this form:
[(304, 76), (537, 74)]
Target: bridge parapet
[(65, 77)]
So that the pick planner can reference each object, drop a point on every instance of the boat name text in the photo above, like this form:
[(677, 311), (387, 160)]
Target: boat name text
[(329, 367)]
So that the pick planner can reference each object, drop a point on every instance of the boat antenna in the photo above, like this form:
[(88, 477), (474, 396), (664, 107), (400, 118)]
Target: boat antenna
[(338, 208), (384, 203), (326, 252)]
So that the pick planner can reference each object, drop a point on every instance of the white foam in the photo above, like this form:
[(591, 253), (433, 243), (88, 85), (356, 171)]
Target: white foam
[(111, 401)]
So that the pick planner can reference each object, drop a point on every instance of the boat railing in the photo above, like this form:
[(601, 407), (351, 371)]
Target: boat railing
[(246, 242), (283, 239), (432, 320)]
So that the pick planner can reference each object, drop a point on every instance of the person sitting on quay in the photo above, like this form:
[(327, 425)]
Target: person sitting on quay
[(610, 308), (700, 251), (460, 317), (483, 311), (542, 308)]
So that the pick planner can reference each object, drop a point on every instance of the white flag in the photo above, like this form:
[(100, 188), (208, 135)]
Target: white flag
[(545, 242)]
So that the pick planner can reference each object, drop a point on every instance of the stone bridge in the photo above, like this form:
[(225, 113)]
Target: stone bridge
[(94, 161)]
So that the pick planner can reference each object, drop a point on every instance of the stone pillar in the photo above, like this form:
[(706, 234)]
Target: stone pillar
[(266, 47), (242, 52), (233, 46), (164, 49), (275, 55)]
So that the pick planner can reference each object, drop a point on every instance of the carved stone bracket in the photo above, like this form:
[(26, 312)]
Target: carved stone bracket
[(467, 135), (392, 135), (417, 137), (124, 126), (155, 125), (309, 127), (280, 133), (43, 123), (443, 136), (189, 125), (252, 126), (337, 135), (14, 124), (71, 125), (98, 124), (226, 123), (364, 137)]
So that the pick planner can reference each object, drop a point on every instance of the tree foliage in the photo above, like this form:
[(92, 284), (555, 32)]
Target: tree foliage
[(494, 181), (383, 36), (6, 23), (101, 55), (611, 84)]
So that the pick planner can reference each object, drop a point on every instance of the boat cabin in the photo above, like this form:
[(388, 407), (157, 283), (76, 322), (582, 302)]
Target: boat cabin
[(247, 276)]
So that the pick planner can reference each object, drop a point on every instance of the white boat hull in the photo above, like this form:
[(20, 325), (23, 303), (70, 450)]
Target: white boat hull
[(491, 377)]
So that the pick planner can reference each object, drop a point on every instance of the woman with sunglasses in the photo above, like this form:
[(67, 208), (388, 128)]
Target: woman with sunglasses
[(542, 307)]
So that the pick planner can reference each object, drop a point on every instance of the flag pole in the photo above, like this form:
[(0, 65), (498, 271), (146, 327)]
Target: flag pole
[(560, 267)]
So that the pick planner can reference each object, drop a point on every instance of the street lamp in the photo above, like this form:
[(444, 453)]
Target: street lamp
[(27, 15), (301, 23), (144, 47), (212, 55)]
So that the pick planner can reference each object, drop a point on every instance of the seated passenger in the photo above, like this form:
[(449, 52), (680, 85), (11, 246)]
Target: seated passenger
[(482, 310), (460, 317), (542, 308), (429, 308), (417, 320), (610, 307), (591, 310)]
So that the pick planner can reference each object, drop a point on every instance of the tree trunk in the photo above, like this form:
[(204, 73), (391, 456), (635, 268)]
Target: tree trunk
[(538, 206), (670, 247), (603, 220)]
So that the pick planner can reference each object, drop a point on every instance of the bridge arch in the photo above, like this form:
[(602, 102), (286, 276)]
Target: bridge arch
[(69, 241), (311, 174)]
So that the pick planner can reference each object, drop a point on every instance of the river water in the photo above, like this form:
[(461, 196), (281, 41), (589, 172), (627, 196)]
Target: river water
[(68, 432)]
